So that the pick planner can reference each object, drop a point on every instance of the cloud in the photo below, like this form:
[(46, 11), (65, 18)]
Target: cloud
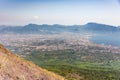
[(36, 17)]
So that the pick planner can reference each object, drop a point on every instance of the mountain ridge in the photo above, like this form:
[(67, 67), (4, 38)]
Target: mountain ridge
[(51, 29), (12, 67)]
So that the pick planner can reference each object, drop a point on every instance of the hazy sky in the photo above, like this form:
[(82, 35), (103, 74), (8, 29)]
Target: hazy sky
[(21, 12)]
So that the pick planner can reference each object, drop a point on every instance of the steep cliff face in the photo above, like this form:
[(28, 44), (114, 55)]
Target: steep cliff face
[(12, 67)]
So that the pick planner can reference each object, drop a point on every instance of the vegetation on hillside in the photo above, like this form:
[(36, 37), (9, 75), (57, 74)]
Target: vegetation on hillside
[(78, 65)]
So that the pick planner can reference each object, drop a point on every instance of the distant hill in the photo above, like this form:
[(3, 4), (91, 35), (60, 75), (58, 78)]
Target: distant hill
[(3, 26), (33, 29), (56, 29), (100, 27), (12, 67)]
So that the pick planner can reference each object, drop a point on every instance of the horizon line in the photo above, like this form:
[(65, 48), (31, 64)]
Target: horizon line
[(60, 24)]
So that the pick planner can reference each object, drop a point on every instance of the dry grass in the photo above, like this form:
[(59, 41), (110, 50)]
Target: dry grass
[(12, 67)]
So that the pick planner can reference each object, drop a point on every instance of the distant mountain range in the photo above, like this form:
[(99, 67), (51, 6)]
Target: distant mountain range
[(55, 29)]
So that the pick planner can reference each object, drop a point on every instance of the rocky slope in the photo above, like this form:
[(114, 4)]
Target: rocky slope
[(12, 67)]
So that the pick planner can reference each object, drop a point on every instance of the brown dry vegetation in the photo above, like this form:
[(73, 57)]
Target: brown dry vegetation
[(12, 67)]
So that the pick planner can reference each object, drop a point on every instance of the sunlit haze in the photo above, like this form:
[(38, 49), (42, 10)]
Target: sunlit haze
[(66, 12)]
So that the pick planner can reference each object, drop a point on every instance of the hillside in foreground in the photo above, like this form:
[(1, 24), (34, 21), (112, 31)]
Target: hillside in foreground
[(12, 67)]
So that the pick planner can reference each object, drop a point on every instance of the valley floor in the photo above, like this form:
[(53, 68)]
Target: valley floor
[(75, 58)]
